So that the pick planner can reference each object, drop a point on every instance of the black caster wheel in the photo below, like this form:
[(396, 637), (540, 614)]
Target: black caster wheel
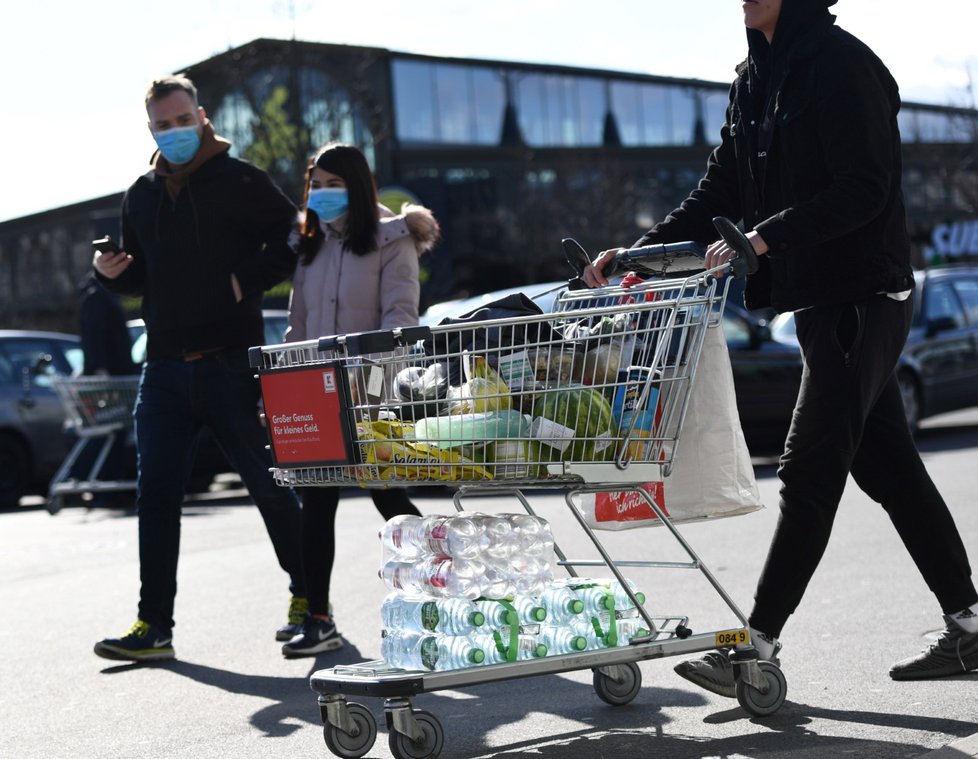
[(612, 692), (352, 746), (403, 747), (760, 704)]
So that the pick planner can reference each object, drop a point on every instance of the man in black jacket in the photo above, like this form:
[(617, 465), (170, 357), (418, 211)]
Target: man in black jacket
[(809, 160), (204, 235)]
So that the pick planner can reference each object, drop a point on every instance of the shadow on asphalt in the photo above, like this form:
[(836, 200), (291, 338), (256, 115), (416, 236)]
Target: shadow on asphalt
[(293, 703)]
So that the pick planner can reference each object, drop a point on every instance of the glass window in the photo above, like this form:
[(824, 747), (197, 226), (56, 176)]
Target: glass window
[(627, 106), (942, 304), (560, 110), (657, 116), (967, 290), (489, 103), (414, 101), (453, 102), (235, 119)]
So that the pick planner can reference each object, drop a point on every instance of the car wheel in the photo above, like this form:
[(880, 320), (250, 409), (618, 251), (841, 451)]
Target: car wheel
[(15, 471), (911, 398)]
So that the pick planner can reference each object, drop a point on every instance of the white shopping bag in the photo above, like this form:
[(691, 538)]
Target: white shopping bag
[(711, 476)]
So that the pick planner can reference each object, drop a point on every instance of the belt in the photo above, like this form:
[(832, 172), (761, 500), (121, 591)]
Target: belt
[(200, 354)]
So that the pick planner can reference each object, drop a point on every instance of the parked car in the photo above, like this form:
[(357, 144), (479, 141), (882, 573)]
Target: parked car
[(938, 369), (766, 368), (32, 439)]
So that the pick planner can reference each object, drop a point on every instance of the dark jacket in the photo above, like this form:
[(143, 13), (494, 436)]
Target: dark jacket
[(810, 158), (226, 216)]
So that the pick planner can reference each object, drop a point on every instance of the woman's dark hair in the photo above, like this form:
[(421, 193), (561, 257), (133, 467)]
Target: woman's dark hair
[(360, 232)]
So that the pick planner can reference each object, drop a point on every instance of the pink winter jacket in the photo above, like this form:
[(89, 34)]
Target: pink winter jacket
[(340, 292)]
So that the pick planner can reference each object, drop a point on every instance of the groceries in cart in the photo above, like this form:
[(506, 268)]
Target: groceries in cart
[(477, 589)]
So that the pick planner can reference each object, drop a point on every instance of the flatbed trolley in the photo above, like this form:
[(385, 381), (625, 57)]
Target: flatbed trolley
[(332, 424), (97, 408)]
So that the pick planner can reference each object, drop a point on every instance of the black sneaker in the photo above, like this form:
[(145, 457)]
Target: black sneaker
[(298, 609), (317, 636), (955, 652), (715, 672), (143, 642)]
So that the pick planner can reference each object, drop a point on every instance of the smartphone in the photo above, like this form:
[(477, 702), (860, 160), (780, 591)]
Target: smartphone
[(105, 245)]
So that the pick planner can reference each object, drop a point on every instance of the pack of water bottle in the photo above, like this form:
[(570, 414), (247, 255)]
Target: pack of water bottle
[(427, 632), (468, 555)]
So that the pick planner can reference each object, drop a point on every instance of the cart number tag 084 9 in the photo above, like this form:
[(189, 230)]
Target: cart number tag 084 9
[(732, 638)]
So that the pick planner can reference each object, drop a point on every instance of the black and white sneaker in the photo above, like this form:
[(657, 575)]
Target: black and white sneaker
[(955, 652), (715, 672), (317, 636)]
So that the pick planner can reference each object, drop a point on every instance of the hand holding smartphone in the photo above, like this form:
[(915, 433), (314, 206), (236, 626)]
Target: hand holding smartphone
[(110, 260), (105, 245)]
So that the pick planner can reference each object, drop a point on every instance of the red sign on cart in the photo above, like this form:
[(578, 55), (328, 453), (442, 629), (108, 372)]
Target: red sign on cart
[(305, 412)]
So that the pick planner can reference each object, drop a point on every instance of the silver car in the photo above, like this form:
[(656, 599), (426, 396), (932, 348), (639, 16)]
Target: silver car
[(33, 442)]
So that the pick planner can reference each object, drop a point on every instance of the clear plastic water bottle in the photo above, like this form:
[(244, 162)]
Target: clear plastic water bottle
[(594, 630), (436, 576), (420, 651), (561, 604), (622, 601), (497, 614), (404, 537), (452, 616), (535, 536), (498, 646), (531, 574), (499, 578), (502, 540), (626, 629), (561, 640), (529, 609), (460, 536), (596, 598)]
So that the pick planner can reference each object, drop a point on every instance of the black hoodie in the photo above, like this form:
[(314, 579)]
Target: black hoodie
[(810, 158), (187, 232)]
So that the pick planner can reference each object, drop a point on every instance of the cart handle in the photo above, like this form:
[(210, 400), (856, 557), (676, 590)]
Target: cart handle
[(655, 260)]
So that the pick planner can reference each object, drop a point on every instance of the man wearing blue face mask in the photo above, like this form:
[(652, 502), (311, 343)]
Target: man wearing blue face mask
[(204, 235)]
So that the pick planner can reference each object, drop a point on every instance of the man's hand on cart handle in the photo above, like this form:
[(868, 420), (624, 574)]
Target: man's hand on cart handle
[(720, 253), (593, 275), (111, 265)]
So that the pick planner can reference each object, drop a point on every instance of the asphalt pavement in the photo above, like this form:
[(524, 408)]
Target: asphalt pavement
[(71, 579)]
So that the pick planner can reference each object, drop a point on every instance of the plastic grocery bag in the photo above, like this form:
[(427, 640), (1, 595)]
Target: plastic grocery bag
[(711, 477)]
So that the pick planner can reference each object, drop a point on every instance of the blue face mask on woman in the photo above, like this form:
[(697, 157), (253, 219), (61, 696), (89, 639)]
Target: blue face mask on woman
[(329, 203), (178, 145)]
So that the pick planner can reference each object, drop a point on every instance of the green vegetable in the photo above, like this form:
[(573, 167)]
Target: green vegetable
[(583, 410)]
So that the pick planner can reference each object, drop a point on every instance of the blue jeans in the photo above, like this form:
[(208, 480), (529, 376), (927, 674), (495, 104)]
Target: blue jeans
[(176, 400)]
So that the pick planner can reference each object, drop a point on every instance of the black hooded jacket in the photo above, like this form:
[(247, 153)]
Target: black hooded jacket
[(810, 158), (224, 216)]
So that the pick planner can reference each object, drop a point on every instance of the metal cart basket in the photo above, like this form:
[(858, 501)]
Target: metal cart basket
[(588, 398), (98, 409)]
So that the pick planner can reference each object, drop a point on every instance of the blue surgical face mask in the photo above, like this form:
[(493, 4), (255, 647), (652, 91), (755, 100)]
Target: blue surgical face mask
[(178, 145), (329, 203)]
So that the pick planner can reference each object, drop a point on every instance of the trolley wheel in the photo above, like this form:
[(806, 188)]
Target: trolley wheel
[(760, 704), (402, 747), (354, 745), (617, 694)]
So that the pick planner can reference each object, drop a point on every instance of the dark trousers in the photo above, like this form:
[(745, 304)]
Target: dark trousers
[(849, 419), (319, 536), (176, 400)]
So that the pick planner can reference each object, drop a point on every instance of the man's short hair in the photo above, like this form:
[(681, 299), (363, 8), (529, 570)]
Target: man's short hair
[(167, 85)]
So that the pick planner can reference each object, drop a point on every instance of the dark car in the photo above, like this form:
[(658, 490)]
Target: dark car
[(938, 369), (32, 439), (766, 369)]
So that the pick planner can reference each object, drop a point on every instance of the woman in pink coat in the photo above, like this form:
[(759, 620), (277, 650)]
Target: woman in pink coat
[(358, 271)]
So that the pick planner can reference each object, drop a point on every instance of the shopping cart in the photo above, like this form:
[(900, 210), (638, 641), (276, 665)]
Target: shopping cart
[(504, 406), (98, 409)]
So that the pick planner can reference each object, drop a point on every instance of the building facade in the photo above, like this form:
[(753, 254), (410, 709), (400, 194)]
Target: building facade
[(511, 157)]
